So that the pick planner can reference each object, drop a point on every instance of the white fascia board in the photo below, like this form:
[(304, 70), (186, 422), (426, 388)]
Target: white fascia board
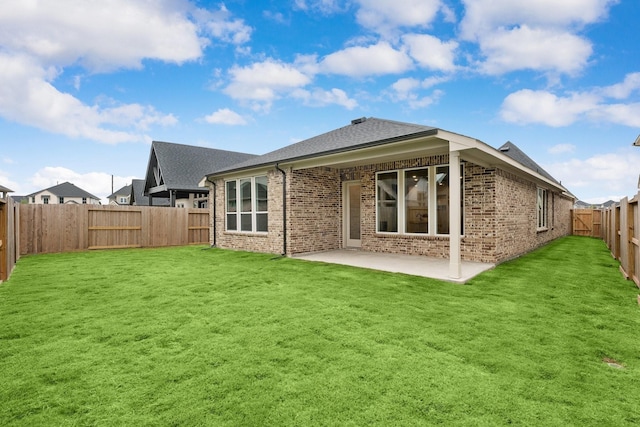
[(496, 158)]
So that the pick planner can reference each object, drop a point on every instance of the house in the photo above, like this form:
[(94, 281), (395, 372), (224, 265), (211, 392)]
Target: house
[(386, 186), (121, 196), (139, 199), (61, 194), (174, 171), (637, 141)]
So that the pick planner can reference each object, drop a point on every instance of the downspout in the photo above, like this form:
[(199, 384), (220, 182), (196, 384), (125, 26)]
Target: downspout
[(215, 188), (284, 210)]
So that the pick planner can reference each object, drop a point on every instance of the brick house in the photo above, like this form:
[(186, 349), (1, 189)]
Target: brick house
[(386, 186)]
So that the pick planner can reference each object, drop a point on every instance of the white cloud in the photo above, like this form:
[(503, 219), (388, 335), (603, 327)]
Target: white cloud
[(96, 183), (38, 40), (264, 82), (536, 49), (407, 90), (226, 117), (431, 52), (383, 16), (536, 34), (562, 148), (612, 174), (360, 61), (325, 7), (529, 106), (320, 97)]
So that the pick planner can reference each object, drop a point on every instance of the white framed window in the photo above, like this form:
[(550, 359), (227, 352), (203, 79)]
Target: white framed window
[(61, 200), (84, 200), (246, 202), (422, 204), (542, 211), (123, 200), (45, 200)]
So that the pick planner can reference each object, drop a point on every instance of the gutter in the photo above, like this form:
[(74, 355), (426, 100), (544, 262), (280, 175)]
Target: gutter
[(284, 210), (215, 187)]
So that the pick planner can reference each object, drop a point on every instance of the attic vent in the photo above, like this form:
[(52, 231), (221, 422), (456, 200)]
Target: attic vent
[(504, 148), (358, 121)]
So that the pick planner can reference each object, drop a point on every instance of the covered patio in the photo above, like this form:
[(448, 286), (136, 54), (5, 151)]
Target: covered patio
[(415, 265)]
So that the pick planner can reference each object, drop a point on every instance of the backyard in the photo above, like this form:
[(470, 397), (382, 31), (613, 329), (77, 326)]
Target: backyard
[(199, 336)]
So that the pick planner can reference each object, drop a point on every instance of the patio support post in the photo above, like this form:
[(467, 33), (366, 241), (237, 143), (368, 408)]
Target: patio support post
[(455, 262)]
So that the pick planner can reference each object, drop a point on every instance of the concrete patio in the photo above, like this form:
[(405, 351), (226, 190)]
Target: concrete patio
[(434, 268)]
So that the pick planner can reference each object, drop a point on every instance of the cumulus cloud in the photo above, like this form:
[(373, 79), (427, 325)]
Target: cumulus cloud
[(407, 90), (384, 16), (39, 40), (225, 116), (320, 98), (430, 52), (528, 106), (614, 174), (562, 148), (537, 34), (360, 61)]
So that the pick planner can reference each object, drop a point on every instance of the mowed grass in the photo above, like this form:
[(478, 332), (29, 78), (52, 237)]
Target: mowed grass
[(197, 336)]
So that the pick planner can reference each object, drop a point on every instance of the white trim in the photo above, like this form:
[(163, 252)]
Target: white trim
[(455, 194), (254, 206)]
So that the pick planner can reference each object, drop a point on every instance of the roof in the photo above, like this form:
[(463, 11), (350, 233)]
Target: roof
[(124, 190), (4, 189), (139, 199), (637, 141), (512, 151), (360, 133), (67, 189), (183, 166)]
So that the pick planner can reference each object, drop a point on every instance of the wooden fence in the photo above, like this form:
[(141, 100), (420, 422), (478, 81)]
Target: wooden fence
[(64, 228), (622, 235), (587, 222), (9, 243)]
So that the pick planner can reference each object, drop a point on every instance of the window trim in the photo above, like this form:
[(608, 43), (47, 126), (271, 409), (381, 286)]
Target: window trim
[(253, 203), (432, 201), (542, 223)]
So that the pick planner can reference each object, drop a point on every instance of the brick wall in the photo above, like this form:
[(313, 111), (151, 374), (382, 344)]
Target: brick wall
[(499, 214)]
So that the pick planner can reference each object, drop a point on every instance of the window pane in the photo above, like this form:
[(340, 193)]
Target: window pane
[(231, 196), (387, 202), (261, 194), (416, 199), (261, 222), (232, 222), (245, 222), (245, 195), (442, 192)]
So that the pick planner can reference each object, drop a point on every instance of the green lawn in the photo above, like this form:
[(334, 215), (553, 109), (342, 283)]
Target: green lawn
[(197, 336)]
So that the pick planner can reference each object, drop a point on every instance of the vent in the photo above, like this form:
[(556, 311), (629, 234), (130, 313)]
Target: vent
[(358, 121), (504, 148)]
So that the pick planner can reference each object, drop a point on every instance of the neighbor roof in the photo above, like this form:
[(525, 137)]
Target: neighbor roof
[(124, 190), (183, 166), (637, 141), (360, 133), (67, 189), (139, 199)]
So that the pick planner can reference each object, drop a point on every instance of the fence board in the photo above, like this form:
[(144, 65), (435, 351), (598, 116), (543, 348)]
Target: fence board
[(64, 228), (588, 222), (622, 234), (9, 242)]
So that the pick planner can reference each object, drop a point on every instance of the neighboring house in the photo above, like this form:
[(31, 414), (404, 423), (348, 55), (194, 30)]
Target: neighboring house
[(386, 186), (121, 196), (637, 141), (584, 205), (61, 194), (174, 171)]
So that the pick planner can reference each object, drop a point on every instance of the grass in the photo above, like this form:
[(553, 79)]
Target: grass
[(188, 336)]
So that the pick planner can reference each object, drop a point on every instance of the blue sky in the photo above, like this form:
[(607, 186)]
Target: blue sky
[(86, 85)]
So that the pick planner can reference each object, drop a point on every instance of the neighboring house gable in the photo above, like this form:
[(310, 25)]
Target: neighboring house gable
[(121, 197), (65, 193), (387, 186), (175, 170)]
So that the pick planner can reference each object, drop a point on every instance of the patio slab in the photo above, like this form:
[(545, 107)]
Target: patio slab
[(414, 265)]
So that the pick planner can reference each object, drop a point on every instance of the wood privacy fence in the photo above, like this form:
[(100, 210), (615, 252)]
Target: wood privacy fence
[(587, 222), (9, 242), (64, 228), (622, 235)]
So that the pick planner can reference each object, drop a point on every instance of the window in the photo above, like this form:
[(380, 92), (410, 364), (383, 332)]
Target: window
[(123, 200), (33, 199), (84, 200), (542, 213), (45, 200), (423, 205), (61, 200), (251, 215)]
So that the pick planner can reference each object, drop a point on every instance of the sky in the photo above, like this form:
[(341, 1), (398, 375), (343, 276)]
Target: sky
[(87, 85)]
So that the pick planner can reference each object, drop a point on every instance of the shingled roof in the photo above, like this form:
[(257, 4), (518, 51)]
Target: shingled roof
[(360, 133), (511, 150), (181, 167), (67, 189)]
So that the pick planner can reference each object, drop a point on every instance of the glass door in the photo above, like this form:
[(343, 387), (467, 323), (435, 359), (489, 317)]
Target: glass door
[(352, 215)]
